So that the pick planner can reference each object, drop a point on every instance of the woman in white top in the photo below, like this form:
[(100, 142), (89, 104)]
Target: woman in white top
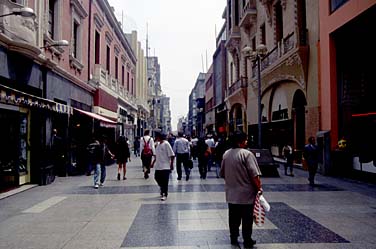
[(163, 163)]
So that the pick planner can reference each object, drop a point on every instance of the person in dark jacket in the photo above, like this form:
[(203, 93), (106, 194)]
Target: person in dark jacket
[(203, 153), (311, 155), (122, 155), (98, 151)]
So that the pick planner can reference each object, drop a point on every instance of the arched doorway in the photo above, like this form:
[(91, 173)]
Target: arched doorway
[(298, 114), (236, 118)]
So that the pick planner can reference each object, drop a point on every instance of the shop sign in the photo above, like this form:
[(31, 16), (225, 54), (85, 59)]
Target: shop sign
[(15, 97)]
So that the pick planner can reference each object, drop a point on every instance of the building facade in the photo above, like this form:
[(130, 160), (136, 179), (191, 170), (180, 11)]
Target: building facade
[(63, 68), (289, 78), (196, 112), (347, 89)]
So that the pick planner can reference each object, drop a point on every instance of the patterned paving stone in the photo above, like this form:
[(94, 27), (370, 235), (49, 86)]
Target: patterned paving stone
[(160, 223)]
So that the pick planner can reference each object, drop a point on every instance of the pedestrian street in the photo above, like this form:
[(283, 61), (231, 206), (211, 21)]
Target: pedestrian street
[(70, 213)]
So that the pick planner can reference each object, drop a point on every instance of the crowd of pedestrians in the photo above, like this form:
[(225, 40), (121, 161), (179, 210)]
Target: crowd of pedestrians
[(229, 157)]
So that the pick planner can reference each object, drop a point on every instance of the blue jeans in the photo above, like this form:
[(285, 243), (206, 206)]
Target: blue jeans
[(100, 169)]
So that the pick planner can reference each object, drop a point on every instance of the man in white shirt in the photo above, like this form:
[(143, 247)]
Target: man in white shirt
[(211, 144), (163, 163), (182, 149), (147, 143)]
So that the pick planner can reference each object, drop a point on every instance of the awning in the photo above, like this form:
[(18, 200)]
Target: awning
[(105, 122), (14, 97), (96, 116)]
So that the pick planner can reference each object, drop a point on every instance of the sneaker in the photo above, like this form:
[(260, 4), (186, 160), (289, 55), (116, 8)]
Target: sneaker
[(101, 184), (96, 186), (163, 198), (124, 178), (118, 177)]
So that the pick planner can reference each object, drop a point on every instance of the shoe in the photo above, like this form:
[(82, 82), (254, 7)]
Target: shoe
[(118, 177), (179, 178), (187, 177), (292, 174), (163, 198), (96, 186), (124, 178), (146, 176), (101, 184), (235, 243), (249, 244)]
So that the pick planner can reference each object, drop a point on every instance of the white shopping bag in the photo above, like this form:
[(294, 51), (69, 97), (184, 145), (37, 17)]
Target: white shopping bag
[(261, 206)]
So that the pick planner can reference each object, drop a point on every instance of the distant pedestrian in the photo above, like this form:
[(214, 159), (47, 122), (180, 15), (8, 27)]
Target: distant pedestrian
[(163, 164), (203, 153), (147, 149), (58, 153), (182, 151), (99, 152), (311, 155), (211, 143), (242, 183), (122, 155), (289, 157), (194, 141), (220, 149), (136, 146)]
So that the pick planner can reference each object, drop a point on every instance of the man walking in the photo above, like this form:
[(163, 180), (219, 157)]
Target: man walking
[(240, 170), (99, 151), (311, 155), (147, 149), (182, 149), (163, 163)]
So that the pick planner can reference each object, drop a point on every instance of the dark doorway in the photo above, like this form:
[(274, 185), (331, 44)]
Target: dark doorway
[(298, 108)]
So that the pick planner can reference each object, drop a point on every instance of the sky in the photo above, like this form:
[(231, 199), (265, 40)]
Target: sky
[(181, 34)]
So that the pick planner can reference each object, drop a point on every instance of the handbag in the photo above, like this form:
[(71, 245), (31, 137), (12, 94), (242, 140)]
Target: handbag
[(190, 163)]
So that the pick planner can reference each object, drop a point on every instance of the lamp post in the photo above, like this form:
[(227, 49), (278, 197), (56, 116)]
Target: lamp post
[(25, 12), (256, 57), (60, 43)]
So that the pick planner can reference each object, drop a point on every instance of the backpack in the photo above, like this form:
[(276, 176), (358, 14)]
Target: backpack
[(147, 152)]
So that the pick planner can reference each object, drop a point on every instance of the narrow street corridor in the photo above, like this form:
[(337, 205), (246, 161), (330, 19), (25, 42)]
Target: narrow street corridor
[(70, 213)]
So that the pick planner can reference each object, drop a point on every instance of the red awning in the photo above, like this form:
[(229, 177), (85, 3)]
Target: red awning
[(97, 116)]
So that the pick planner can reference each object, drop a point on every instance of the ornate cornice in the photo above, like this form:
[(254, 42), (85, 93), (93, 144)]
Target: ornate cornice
[(79, 8), (99, 22)]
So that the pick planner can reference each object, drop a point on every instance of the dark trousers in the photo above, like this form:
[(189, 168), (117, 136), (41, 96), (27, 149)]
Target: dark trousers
[(312, 169), (162, 177), (203, 166), (182, 159), (240, 214)]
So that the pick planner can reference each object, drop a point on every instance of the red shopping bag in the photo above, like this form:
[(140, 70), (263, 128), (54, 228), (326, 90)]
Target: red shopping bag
[(258, 212)]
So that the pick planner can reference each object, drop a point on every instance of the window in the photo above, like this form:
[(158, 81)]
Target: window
[(231, 73), (51, 18), (75, 40), (254, 44), (236, 12), (132, 86), (97, 47), (335, 4), (229, 14), (263, 34), (116, 68), (108, 60), (278, 22), (122, 75), (128, 81)]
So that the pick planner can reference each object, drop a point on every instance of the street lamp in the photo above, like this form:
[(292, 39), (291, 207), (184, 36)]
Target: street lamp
[(256, 57), (60, 43), (25, 12)]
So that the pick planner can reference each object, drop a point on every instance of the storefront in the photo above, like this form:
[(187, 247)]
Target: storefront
[(23, 142)]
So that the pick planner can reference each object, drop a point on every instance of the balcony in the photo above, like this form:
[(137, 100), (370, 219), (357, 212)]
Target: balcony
[(278, 53), (100, 75), (248, 15), (233, 40), (18, 32), (239, 84)]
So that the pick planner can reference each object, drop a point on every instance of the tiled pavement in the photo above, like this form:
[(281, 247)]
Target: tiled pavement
[(70, 213)]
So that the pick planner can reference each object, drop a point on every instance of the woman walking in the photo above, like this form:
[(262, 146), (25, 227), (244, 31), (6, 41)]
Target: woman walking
[(122, 156)]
